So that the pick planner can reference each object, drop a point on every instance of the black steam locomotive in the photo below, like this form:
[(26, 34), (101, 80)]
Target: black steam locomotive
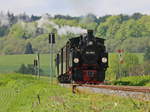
[(82, 60)]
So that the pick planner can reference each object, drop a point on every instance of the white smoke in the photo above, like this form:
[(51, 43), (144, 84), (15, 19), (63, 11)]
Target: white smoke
[(45, 21), (61, 30), (68, 29)]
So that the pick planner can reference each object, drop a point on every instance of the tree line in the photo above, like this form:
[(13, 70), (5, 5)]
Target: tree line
[(131, 33)]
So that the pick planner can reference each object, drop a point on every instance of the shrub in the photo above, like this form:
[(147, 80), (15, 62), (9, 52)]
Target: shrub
[(28, 69), (28, 48), (147, 54)]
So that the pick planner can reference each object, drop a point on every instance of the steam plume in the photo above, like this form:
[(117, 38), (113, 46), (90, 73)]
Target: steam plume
[(62, 30)]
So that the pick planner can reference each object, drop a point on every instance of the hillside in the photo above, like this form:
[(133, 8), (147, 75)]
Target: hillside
[(24, 93), (130, 33)]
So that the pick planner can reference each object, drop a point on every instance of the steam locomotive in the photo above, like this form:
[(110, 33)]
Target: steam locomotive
[(82, 60)]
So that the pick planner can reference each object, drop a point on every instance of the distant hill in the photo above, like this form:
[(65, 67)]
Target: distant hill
[(131, 33)]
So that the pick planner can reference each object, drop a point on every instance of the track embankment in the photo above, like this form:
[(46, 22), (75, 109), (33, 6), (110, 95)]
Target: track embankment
[(138, 92)]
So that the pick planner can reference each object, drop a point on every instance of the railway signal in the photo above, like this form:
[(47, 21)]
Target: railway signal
[(51, 51), (37, 65), (120, 52), (38, 62), (51, 38), (121, 61)]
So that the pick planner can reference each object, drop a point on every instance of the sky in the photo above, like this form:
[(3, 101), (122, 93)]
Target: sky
[(76, 7)]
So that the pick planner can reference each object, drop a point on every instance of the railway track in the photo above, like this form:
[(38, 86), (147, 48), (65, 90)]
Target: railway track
[(138, 92)]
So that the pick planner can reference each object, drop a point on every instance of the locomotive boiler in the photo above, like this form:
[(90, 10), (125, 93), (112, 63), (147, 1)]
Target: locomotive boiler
[(82, 60)]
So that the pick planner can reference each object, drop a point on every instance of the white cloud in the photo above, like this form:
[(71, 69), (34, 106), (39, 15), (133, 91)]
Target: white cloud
[(19, 6), (124, 6), (76, 7), (102, 7)]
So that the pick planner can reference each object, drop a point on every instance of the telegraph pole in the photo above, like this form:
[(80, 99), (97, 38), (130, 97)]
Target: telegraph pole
[(51, 51)]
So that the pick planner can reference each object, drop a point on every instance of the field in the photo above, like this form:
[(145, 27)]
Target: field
[(11, 63), (25, 93), (134, 81)]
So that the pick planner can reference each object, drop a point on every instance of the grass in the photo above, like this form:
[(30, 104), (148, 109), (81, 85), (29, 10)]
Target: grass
[(25, 93), (11, 63), (140, 56), (134, 81)]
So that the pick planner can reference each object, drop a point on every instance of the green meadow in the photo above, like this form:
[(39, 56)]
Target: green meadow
[(133, 81), (11, 63), (26, 93)]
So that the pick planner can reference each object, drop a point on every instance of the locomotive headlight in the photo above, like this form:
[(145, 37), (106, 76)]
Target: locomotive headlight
[(104, 60), (76, 60), (90, 43)]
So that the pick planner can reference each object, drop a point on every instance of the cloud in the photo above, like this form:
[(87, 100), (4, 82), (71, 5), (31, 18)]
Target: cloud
[(19, 6), (103, 7), (76, 7), (123, 6)]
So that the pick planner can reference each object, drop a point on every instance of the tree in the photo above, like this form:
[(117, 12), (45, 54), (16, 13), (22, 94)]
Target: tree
[(22, 69), (102, 19), (131, 60), (113, 70), (144, 22), (146, 67), (12, 18), (124, 17), (102, 30), (117, 69), (147, 54), (24, 36), (17, 30), (109, 28), (24, 17), (28, 48), (35, 18), (89, 18), (28, 69), (136, 16), (133, 45), (3, 31)]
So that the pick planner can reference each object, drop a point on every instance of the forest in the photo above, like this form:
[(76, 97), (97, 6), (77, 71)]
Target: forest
[(23, 34)]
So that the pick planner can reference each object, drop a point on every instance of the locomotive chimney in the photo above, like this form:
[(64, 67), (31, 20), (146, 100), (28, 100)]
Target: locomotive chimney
[(90, 34)]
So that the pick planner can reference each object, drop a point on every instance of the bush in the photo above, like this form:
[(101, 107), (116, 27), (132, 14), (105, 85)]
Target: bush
[(147, 54), (28, 48), (122, 66), (22, 69), (28, 69), (134, 81)]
